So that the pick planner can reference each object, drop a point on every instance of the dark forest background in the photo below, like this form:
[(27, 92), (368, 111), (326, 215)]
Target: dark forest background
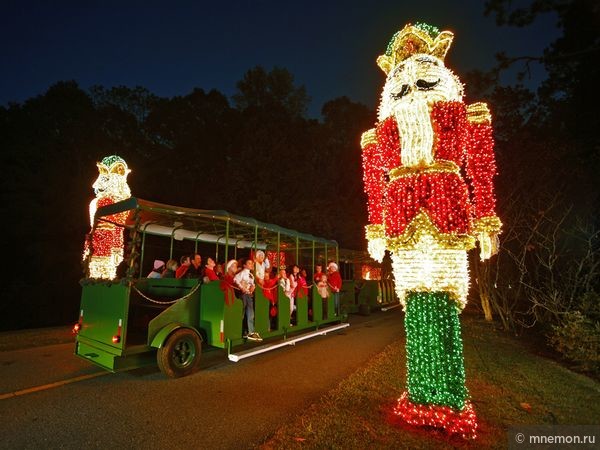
[(258, 154)]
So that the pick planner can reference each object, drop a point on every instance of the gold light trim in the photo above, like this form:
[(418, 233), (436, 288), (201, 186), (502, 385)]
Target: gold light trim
[(422, 226), (440, 166)]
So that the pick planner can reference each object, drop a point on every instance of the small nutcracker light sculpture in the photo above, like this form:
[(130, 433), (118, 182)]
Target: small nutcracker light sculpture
[(104, 244), (428, 169)]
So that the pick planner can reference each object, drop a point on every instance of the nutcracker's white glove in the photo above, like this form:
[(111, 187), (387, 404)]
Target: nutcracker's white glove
[(487, 230), (488, 245)]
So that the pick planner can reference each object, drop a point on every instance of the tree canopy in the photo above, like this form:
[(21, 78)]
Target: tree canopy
[(547, 273)]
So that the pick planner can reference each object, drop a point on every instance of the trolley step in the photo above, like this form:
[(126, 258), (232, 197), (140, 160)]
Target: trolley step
[(235, 357)]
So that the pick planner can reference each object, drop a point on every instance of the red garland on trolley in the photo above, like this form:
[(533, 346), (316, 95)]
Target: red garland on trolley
[(226, 286)]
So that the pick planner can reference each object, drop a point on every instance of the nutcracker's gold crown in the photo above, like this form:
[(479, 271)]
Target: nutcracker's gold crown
[(113, 164), (413, 39)]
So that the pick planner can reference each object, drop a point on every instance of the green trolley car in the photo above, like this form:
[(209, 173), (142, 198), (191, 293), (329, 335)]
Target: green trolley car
[(133, 320)]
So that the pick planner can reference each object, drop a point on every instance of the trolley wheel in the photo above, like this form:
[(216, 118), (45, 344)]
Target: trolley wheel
[(180, 355)]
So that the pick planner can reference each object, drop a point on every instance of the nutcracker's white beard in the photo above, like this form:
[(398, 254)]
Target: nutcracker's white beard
[(416, 132)]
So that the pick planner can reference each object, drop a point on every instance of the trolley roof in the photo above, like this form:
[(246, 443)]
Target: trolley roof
[(207, 225)]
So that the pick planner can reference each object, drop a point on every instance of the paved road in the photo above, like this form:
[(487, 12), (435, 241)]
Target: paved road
[(224, 406)]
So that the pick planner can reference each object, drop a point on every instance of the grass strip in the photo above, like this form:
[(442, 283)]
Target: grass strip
[(508, 386)]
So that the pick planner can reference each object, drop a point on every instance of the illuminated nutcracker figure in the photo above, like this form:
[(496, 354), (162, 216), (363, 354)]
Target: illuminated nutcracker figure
[(428, 169), (104, 244)]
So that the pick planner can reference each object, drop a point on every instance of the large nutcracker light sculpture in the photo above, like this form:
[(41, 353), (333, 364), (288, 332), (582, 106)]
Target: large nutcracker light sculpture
[(104, 245), (428, 169)]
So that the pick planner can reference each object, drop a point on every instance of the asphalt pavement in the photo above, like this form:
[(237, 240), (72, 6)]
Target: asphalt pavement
[(51, 399)]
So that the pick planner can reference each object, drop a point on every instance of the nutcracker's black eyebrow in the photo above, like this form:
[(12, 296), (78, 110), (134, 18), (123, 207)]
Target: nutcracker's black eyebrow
[(424, 59), (398, 68), (428, 60)]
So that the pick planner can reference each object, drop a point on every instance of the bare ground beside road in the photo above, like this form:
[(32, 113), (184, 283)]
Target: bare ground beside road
[(36, 337)]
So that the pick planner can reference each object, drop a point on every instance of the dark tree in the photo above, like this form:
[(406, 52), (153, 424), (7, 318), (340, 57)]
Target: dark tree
[(564, 108), (547, 272), (192, 137), (51, 144), (272, 91)]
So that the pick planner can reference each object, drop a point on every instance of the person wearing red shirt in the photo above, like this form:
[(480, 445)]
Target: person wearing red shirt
[(209, 271), (318, 273), (183, 268), (269, 288), (227, 284), (334, 279), (302, 288)]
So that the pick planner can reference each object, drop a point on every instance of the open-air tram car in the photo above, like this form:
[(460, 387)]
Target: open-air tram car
[(134, 320)]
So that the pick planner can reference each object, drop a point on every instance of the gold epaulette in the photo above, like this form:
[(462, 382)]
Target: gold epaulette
[(488, 224), (368, 137), (479, 113)]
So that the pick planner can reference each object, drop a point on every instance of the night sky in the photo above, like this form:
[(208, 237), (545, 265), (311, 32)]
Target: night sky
[(172, 47)]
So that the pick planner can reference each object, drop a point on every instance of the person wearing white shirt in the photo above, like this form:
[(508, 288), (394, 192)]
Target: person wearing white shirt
[(245, 282), (260, 265)]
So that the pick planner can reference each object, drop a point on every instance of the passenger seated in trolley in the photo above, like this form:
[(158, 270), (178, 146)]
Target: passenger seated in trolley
[(209, 271), (284, 282), (232, 270), (302, 289), (335, 283), (323, 289), (228, 283), (170, 269), (269, 287), (183, 268), (260, 265), (157, 269), (195, 268), (219, 271), (318, 273)]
